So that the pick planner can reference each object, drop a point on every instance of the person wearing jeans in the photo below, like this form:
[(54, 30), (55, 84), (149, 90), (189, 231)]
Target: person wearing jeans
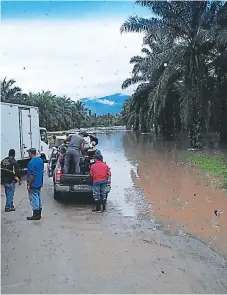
[(35, 199), (99, 195), (75, 147), (100, 172), (9, 176), (73, 155), (9, 192), (35, 183)]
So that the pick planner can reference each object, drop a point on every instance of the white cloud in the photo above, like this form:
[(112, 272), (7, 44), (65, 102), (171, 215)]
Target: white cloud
[(106, 101), (79, 59)]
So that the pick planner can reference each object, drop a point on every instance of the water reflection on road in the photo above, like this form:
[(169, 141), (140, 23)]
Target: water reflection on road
[(147, 171), (112, 148)]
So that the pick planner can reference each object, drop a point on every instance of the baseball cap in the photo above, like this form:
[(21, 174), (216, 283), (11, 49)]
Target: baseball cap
[(32, 151)]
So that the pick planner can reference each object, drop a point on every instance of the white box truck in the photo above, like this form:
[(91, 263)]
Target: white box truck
[(20, 131)]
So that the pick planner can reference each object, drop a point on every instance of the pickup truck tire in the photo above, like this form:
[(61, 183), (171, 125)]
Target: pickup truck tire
[(57, 195)]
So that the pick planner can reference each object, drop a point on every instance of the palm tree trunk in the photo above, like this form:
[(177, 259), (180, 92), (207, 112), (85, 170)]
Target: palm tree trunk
[(223, 122), (144, 126), (136, 124), (222, 88), (195, 124), (195, 128)]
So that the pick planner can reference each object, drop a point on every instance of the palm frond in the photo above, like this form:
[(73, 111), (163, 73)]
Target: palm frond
[(131, 81), (139, 24)]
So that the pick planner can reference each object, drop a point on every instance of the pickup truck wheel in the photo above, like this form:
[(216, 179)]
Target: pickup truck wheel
[(57, 194)]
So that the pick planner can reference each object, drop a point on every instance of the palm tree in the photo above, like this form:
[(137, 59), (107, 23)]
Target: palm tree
[(189, 24), (80, 112), (9, 92), (55, 112), (147, 73), (65, 112), (128, 114), (49, 110)]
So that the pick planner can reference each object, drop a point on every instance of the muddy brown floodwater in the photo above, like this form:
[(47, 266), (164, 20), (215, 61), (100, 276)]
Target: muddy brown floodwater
[(126, 249), (183, 198)]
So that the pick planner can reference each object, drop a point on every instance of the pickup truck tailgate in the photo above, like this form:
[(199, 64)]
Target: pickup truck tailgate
[(71, 179)]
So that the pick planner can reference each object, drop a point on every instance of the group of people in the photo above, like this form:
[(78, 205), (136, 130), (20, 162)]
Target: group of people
[(11, 174), (100, 171), (77, 144)]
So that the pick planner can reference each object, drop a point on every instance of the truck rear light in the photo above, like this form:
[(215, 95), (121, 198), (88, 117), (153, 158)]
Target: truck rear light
[(58, 175)]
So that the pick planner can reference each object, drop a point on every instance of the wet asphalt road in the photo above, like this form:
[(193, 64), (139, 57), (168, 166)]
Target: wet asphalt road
[(72, 250)]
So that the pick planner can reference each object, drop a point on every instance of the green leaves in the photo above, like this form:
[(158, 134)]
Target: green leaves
[(9, 92), (215, 166), (56, 112), (185, 52)]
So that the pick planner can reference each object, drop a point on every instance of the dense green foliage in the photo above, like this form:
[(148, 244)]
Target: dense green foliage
[(181, 76), (56, 112)]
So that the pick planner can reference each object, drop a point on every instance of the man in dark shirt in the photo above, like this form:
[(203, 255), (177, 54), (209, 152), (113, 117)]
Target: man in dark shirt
[(35, 183), (10, 174), (75, 146)]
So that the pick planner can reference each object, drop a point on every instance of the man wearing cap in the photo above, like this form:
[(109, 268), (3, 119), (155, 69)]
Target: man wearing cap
[(35, 183)]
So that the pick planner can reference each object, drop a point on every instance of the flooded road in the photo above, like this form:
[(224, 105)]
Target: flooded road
[(124, 250), (183, 199)]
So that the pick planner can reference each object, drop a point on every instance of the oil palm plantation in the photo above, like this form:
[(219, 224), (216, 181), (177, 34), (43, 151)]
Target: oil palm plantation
[(147, 73), (183, 36), (56, 112)]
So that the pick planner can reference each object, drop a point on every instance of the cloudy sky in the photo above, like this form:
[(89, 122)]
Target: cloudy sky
[(73, 48)]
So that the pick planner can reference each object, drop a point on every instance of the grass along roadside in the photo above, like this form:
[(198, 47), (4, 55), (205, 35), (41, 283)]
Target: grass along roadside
[(215, 166)]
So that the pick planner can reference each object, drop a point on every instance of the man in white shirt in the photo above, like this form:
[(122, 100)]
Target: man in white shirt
[(87, 140)]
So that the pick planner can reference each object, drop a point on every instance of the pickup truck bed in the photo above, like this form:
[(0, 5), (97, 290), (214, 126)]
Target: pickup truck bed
[(65, 183), (72, 179), (74, 183)]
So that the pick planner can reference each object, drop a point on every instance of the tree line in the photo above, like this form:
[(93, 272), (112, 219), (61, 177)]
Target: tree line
[(56, 112), (181, 74)]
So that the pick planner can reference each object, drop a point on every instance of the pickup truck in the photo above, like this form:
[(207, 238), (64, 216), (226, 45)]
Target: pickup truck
[(70, 183)]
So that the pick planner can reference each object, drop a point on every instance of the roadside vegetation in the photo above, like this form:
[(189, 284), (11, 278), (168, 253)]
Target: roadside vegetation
[(216, 166), (181, 74), (56, 112)]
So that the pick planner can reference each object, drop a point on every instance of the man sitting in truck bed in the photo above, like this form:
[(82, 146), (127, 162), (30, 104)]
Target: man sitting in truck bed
[(75, 147)]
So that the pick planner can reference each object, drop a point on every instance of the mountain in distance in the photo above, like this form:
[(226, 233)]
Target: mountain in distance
[(108, 104)]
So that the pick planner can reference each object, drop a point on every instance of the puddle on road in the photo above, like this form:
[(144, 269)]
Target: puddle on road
[(113, 152), (182, 199)]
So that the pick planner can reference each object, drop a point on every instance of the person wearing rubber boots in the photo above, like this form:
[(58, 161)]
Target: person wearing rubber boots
[(100, 172), (35, 183)]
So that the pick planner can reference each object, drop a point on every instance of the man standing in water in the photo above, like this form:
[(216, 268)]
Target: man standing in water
[(100, 172), (35, 183), (75, 147)]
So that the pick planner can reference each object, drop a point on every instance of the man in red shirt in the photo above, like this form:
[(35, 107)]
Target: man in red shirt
[(100, 173)]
